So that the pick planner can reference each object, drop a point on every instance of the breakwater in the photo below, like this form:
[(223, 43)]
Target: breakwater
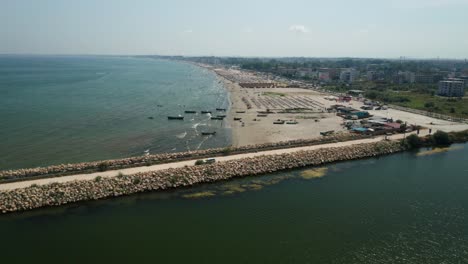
[(63, 193), (89, 167)]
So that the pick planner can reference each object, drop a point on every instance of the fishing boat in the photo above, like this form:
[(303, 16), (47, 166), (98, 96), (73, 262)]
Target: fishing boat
[(150, 117), (278, 122), (175, 117), (237, 118), (217, 118), (220, 109), (292, 122), (190, 112), (262, 115), (240, 112), (208, 133), (206, 112), (326, 133), (223, 116)]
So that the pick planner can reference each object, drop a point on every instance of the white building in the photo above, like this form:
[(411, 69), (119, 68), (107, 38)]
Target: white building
[(452, 88), (348, 75)]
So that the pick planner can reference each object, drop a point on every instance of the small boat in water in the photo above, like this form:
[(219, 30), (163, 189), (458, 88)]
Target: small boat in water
[(150, 117), (206, 112), (240, 112), (237, 118), (262, 115), (223, 116), (190, 112), (217, 118), (208, 133), (175, 117), (220, 109), (292, 122)]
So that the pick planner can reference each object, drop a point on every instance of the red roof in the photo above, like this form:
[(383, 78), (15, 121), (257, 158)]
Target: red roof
[(393, 125)]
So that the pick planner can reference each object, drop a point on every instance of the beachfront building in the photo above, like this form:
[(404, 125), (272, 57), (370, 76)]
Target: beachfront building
[(348, 75), (324, 76), (404, 77), (452, 88)]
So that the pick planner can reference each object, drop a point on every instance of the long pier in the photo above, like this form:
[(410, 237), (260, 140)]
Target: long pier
[(180, 164)]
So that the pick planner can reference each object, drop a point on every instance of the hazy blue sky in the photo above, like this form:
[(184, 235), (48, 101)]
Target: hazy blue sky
[(327, 28)]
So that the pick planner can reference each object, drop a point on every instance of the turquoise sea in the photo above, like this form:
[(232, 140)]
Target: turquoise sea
[(64, 109)]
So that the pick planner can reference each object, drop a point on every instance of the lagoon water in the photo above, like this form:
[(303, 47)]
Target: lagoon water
[(404, 208), (62, 109)]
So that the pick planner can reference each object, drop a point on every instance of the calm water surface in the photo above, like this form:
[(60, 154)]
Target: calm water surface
[(70, 109), (404, 208)]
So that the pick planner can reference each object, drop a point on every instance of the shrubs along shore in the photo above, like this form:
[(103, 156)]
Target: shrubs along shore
[(63, 193), (89, 167)]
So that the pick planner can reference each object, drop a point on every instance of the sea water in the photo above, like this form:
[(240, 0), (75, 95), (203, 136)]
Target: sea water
[(65, 109)]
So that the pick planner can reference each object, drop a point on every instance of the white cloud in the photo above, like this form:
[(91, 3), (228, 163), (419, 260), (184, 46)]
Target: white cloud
[(299, 29)]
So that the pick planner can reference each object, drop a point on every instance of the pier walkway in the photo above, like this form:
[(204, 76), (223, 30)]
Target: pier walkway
[(128, 171)]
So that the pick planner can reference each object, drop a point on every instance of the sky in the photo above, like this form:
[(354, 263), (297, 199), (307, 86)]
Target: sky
[(254, 28)]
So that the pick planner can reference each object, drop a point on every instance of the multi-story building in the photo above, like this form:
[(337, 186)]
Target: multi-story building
[(404, 77), (324, 76), (452, 88), (424, 78), (348, 75)]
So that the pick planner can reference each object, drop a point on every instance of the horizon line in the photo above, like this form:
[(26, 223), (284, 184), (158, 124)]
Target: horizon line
[(235, 56)]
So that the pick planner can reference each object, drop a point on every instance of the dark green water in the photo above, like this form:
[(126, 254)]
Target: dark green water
[(402, 208), (62, 109)]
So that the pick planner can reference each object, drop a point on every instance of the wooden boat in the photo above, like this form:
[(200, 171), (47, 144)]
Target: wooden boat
[(292, 122), (190, 112), (206, 112), (208, 133), (175, 117), (220, 109), (326, 133)]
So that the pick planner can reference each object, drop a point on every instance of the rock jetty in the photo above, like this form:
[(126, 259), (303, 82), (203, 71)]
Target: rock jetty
[(63, 193), (89, 167)]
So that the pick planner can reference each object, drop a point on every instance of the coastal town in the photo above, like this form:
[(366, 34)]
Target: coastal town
[(271, 120), (266, 109), (247, 131)]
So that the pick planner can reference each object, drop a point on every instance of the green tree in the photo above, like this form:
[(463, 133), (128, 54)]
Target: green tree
[(441, 138), (413, 142)]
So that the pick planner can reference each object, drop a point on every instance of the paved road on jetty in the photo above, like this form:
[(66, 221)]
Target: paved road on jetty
[(113, 173)]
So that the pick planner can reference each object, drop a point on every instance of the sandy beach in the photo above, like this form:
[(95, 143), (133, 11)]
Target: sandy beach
[(248, 103)]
